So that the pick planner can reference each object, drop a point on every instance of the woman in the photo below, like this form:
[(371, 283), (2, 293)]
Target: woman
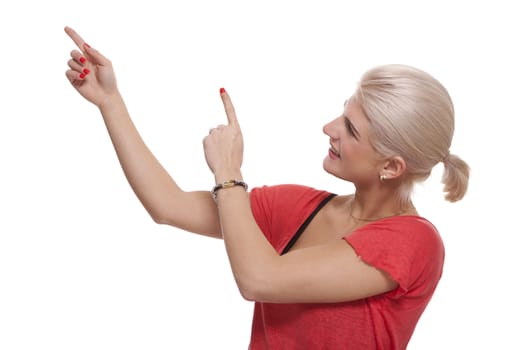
[(325, 271)]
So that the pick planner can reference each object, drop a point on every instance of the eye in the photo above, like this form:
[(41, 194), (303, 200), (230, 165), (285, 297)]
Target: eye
[(349, 127)]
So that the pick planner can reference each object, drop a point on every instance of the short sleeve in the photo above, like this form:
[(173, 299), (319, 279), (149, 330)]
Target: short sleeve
[(408, 248), (280, 210)]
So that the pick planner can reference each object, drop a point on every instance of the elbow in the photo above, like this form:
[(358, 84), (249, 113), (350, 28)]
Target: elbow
[(254, 287), (250, 293), (258, 279), (159, 217), (163, 220)]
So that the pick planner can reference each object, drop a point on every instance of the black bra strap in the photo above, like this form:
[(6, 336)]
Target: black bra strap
[(306, 223)]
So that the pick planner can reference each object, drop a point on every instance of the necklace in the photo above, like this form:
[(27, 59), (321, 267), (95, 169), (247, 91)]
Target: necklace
[(374, 219)]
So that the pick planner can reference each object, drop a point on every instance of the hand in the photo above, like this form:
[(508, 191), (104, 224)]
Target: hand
[(223, 147), (90, 73)]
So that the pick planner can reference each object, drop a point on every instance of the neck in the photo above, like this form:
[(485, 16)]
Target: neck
[(379, 206)]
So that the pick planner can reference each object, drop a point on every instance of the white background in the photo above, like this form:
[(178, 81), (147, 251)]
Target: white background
[(82, 266)]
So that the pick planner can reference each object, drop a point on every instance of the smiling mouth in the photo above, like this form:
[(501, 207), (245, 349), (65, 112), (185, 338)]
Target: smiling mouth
[(333, 153), (332, 150)]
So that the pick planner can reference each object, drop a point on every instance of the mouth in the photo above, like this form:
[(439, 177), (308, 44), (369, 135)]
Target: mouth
[(333, 153)]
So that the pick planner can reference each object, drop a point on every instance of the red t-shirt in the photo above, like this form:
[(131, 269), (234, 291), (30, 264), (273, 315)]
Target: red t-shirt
[(408, 248)]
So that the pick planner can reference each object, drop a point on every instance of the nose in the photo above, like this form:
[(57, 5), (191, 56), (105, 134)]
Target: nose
[(329, 129)]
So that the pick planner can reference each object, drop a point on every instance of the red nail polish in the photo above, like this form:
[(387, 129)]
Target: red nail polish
[(222, 90), (82, 60), (86, 71), (82, 75)]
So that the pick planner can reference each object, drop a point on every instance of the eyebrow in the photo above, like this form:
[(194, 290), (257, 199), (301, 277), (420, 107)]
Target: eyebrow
[(351, 126)]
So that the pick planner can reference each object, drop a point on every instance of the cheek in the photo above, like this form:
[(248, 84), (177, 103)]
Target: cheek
[(349, 147), (355, 152)]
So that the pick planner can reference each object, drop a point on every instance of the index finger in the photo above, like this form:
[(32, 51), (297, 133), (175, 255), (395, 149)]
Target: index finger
[(229, 109), (77, 39)]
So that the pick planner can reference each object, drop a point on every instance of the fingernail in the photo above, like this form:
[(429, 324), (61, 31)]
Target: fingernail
[(82, 59), (82, 75), (222, 90), (86, 71)]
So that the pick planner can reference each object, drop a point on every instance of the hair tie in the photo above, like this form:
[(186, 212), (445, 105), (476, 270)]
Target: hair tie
[(444, 159)]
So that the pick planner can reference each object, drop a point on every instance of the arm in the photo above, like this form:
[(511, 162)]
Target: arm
[(326, 273), (157, 191)]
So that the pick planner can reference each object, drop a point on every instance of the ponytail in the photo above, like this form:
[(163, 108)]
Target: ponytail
[(455, 178)]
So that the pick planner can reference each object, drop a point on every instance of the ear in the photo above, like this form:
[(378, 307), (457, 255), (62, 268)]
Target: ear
[(393, 168)]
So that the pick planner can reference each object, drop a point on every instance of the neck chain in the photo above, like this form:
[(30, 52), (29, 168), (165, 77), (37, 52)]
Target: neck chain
[(374, 219)]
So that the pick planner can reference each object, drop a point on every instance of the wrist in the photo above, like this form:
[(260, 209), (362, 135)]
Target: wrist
[(111, 101), (227, 175), (228, 185)]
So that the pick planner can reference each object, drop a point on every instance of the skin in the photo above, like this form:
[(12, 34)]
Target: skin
[(321, 267)]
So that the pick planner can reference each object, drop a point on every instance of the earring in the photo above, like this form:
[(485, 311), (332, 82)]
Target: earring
[(382, 177)]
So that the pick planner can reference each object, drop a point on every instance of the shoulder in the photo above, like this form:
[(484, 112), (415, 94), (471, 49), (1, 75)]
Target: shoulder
[(416, 229), (410, 232), (404, 246)]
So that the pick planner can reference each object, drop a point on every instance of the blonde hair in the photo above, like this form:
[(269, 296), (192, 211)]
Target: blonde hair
[(412, 116)]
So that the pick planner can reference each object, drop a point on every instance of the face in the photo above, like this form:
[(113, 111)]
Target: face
[(351, 156)]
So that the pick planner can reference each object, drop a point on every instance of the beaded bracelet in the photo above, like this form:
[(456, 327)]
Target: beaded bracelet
[(227, 184)]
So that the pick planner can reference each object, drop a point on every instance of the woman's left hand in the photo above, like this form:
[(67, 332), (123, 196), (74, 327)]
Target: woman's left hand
[(223, 147)]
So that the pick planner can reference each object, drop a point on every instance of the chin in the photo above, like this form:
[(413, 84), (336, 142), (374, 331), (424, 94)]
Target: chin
[(334, 172), (326, 166), (330, 170)]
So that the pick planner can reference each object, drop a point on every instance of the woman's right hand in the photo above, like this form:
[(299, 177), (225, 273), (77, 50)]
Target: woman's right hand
[(90, 73)]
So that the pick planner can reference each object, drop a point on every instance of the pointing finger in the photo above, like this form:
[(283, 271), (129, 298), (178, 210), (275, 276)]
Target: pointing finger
[(229, 109), (94, 56), (77, 39)]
